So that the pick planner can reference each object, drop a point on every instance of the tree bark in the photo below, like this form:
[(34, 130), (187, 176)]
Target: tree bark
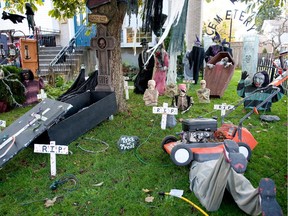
[(115, 13)]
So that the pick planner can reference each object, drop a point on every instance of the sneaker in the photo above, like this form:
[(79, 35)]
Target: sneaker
[(267, 192), (236, 159)]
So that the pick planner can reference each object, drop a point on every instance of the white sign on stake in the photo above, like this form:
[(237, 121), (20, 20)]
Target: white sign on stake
[(2, 123), (51, 149), (42, 95), (126, 87), (165, 110), (223, 107)]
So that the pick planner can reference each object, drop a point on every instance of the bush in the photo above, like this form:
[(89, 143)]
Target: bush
[(11, 88)]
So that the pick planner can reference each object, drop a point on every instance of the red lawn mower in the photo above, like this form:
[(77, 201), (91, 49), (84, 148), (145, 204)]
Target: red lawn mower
[(201, 140)]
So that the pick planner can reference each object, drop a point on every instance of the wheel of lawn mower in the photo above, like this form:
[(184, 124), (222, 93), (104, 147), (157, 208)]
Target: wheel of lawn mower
[(181, 155), (245, 150), (168, 139)]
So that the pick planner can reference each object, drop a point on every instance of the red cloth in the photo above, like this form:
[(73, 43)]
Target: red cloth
[(161, 72)]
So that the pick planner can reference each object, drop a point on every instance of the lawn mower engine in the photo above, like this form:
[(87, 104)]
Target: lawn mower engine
[(198, 130)]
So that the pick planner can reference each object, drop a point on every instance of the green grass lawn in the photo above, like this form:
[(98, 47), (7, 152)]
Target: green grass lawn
[(112, 182)]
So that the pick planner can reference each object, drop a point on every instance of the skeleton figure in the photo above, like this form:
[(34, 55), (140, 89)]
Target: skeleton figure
[(203, 93), (182, 101)]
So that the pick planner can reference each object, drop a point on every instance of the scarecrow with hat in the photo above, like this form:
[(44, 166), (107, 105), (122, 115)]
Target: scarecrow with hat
[(146, 66)]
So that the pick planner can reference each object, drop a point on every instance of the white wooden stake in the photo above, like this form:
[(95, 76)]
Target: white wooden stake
[(165, 110), (51, 149), (126, 88)]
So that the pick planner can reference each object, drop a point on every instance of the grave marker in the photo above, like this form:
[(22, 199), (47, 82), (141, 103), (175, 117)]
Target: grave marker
[(51, 149), (126, 87), (104, 45), (2, 124), (223, 107), (165, 110), (42, 95)]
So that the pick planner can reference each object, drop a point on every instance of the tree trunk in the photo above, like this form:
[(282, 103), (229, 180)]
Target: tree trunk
[(115, 13)]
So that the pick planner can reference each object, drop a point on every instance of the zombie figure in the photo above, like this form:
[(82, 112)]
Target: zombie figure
[(32, 86), (145, 69), (246, 88), (215, 48)]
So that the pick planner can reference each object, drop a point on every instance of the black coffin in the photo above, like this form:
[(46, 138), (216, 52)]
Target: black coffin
[(89, 109)]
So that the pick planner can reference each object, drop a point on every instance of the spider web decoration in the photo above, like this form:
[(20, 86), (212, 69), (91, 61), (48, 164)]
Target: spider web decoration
[(176, 44)]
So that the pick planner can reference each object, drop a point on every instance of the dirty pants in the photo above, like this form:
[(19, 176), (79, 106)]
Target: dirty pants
[(209, 179)]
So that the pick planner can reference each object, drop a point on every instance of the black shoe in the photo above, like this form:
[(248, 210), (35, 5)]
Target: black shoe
[(269, 205), (237, 160)]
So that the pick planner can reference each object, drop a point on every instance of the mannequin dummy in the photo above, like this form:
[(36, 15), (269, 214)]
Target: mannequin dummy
[(203, 93), (151, 94)]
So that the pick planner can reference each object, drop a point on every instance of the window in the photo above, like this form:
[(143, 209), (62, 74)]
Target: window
[(139, 36)]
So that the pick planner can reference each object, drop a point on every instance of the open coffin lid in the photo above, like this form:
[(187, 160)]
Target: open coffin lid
[(28, 127)]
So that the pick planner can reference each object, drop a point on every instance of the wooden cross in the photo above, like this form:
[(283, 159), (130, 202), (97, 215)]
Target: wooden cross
[(42, 95), (165, 110), (103, 45), (2, 124), (51, 149), (223, 107)]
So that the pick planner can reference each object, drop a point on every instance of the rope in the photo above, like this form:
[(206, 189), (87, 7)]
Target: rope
[(90, 151)]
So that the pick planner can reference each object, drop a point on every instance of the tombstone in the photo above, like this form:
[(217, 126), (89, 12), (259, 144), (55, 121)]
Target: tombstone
[(51, 149), (165, 110), (250, 54), (104, 45)]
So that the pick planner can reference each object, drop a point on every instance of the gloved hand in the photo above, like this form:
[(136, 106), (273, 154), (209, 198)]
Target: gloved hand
[(244, 75)]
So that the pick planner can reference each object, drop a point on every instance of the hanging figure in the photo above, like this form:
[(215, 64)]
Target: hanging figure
[(196, 58), (30, 16), (246, 89), (145, 69), (161, 64)]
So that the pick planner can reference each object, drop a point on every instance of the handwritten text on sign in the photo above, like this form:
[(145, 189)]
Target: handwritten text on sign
[(128, 142)]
